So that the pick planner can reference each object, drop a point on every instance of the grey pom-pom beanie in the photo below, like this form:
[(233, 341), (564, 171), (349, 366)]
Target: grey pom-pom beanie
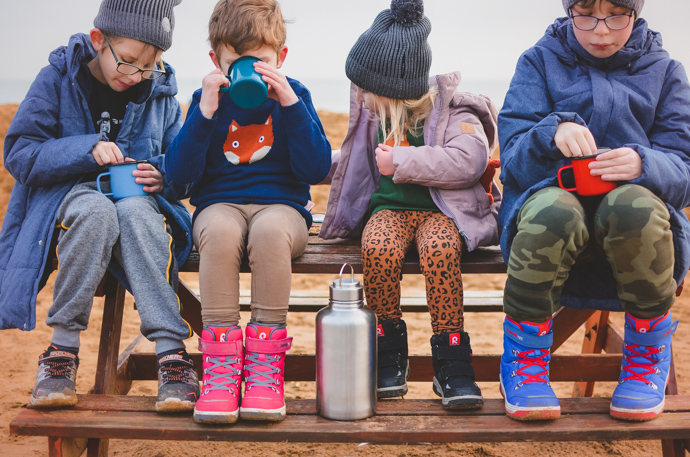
[(635, 5), (392, 58), (150, 21)]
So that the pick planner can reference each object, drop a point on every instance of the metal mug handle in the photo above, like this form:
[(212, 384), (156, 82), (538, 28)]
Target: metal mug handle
[(560, 181), (98, 183)]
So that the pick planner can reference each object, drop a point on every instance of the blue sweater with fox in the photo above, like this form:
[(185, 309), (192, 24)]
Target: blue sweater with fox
[(266, 155)]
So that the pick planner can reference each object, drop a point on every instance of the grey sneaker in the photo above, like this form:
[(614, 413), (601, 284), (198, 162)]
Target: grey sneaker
[(178, 382), (55, 379)]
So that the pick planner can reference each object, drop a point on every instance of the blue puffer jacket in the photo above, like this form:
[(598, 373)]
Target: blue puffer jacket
[(639, 98), (48, 149)]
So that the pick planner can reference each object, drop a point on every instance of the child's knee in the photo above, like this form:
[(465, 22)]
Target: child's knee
[(632, 208), (552, 215)]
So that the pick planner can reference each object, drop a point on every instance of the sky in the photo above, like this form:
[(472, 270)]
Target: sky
[(480, 38)]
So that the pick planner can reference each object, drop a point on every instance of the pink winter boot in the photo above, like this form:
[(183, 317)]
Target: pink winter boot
[(264, 363), (221, 348)]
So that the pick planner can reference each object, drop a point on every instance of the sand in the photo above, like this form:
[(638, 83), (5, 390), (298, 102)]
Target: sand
[(21, 350)]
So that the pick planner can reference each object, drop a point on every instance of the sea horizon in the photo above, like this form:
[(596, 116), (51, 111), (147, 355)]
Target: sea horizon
[(327, 94)]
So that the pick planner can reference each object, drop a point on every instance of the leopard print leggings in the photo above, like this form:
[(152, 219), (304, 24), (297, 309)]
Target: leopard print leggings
[(387, 237)]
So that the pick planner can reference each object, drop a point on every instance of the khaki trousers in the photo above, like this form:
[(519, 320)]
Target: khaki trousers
[(271, 236)]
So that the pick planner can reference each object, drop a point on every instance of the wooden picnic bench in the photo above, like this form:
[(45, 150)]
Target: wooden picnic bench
[(108, 413)]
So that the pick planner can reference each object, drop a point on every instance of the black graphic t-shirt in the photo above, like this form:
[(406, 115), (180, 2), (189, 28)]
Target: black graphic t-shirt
[(108, 108)]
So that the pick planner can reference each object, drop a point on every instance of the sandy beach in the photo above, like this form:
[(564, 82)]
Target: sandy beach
[(21, 351)]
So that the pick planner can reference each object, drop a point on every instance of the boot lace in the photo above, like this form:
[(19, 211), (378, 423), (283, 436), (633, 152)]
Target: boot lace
[(254, 379), (57, 368), (647, 367), (175, 372), (532, 358), (221, 381)]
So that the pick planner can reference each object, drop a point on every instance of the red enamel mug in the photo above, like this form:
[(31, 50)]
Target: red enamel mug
[(585, 183)]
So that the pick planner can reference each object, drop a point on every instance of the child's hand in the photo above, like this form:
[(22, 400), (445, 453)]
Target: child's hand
[(384, 160), (105, 153), (280, 88), (575, 140), (149, 176), (622, 164), (210, 92)]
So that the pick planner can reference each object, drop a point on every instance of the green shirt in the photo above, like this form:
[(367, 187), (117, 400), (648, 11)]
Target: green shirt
[(404, 196)]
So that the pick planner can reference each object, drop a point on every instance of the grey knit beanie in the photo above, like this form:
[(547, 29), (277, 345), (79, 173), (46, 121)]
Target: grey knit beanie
[(150, 21), (635, 5), (392, 58)]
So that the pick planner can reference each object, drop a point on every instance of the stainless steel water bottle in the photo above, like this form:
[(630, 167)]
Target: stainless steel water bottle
[(346, 353)]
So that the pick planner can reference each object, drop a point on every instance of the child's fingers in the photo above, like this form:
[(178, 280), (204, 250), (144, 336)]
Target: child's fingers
[(591, 142), (583, 142)]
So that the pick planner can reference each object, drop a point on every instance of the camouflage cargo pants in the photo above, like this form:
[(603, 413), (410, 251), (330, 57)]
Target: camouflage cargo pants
[(628, 227)]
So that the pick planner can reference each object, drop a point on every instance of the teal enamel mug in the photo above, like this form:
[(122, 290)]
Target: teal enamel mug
[(247, 88)]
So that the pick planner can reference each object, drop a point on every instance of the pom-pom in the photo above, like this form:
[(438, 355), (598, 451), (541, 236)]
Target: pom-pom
[(407, 12)]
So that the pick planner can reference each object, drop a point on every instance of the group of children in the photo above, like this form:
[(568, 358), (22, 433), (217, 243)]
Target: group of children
[(414, 171)]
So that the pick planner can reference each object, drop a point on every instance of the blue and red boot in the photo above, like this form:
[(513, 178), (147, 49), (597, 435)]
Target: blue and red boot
[(524, 376), (640, 394)]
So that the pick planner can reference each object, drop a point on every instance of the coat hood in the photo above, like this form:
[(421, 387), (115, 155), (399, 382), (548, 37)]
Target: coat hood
[(69, 59), (447, 85), (644, 45)]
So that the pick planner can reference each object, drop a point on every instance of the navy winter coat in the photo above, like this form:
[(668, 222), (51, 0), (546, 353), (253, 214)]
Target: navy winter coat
[(639, 98), (48, 149)]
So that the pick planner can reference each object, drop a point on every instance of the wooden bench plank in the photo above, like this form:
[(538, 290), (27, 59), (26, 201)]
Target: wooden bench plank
[(302, 367), (328, 256), (395, 407), (439, 427), (490, 301)]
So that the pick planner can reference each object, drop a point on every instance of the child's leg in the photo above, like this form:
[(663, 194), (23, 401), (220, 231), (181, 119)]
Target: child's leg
[(145, 253), (632, 226), (277, 234), (219, 233), (89, 231), (440, 248), (386, 239), (552, 233)]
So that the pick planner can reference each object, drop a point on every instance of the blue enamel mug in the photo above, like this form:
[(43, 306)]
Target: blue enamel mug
[(247, 88), (122, 183)]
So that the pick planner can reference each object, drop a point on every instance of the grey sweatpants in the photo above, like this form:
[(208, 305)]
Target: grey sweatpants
[(93, 229)]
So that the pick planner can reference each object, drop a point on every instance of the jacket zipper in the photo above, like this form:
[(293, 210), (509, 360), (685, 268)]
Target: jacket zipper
[(444, 208)]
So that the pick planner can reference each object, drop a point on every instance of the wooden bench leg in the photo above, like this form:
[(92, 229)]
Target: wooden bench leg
[(593, 343), (108, 352), (97, 448), (566, 321), (111, 329), (673, 448), (65, 447)]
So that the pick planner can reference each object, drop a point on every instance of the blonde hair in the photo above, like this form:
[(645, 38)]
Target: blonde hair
[(246, 25), (401, 116)]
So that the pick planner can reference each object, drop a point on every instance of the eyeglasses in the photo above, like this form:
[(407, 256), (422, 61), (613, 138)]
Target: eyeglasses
[(587, 23), (129, 69)]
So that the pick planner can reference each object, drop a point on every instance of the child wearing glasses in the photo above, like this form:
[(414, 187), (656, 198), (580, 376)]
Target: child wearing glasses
[(250, 170), (105, 98), (599, 78), (409, 177)]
